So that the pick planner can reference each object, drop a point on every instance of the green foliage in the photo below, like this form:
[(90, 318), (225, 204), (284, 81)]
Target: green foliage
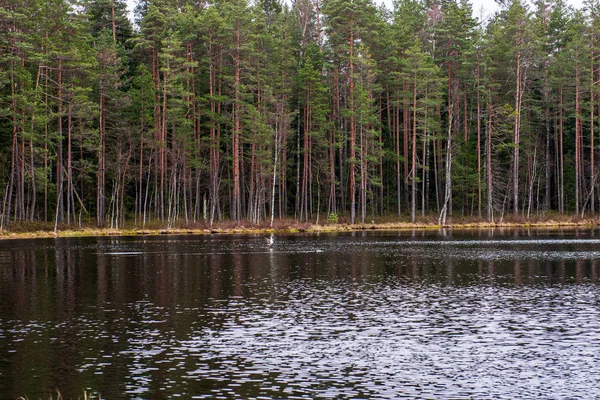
[(292, 104), (332, 218)]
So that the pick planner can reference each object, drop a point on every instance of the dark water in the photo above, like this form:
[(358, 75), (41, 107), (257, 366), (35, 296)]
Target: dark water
[(485, 314)]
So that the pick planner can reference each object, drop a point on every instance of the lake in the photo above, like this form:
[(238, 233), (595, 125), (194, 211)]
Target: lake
[(424, 314)]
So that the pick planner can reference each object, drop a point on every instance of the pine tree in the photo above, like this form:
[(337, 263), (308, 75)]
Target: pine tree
[(347, 22)]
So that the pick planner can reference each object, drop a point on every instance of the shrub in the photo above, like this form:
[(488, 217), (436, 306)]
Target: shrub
[(332, 218)]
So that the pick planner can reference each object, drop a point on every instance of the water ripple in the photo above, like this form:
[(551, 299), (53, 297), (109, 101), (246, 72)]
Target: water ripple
[(330, 316)]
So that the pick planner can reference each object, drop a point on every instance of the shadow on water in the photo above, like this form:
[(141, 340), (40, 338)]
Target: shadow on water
[(498, 313)]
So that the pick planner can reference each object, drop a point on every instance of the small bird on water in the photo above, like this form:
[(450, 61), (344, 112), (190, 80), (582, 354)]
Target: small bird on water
[(270, 240)]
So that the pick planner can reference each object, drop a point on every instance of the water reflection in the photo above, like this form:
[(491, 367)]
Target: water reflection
[(497, 313)]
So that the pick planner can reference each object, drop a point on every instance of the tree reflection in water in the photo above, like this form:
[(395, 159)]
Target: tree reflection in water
[(222, 315)]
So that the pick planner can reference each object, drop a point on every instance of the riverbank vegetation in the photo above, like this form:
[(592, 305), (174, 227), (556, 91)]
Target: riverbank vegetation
[(204, 114), (26, 230)]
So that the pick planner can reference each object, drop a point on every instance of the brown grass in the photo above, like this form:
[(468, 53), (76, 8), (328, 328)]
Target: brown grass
[(41, 230)]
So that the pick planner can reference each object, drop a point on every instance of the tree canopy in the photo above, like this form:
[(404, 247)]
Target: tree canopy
[(235, 110)]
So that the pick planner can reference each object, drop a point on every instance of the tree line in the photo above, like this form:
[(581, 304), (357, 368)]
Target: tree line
[(200, 112)]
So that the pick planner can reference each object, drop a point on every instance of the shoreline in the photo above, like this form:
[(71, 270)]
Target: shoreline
[(294, 227)]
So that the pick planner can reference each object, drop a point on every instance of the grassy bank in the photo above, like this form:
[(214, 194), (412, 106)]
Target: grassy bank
[(42, 230)]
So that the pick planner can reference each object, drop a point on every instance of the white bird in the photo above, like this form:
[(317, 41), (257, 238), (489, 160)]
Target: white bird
[(270, 240)]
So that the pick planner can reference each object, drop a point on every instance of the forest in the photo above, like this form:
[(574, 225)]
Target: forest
[(196, 112)]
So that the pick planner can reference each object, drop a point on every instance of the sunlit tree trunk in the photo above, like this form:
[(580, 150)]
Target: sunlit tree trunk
[(517, 134), (413, 164), (236, 206), (352, 156), (488, 151)]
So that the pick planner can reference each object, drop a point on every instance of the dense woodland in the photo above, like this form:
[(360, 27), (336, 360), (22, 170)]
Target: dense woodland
[(201, 112)]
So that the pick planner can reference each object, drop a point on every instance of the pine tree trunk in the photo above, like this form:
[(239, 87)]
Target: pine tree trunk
[(157, 131), (578, 169), (275, 169), (352, 130), (70, 205), (59, 152), (478, 140), (448, 190), (406, 133), (424, 149), (516, 138), (100, 212), (46, 160), (592, 166), (113, 22), (561, 154), (398, 161), (413, 174), (163, 147), (236, 206), (488, 151), (305, 162)]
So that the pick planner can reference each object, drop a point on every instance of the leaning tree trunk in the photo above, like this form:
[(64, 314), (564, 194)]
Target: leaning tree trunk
[(448, 191)]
